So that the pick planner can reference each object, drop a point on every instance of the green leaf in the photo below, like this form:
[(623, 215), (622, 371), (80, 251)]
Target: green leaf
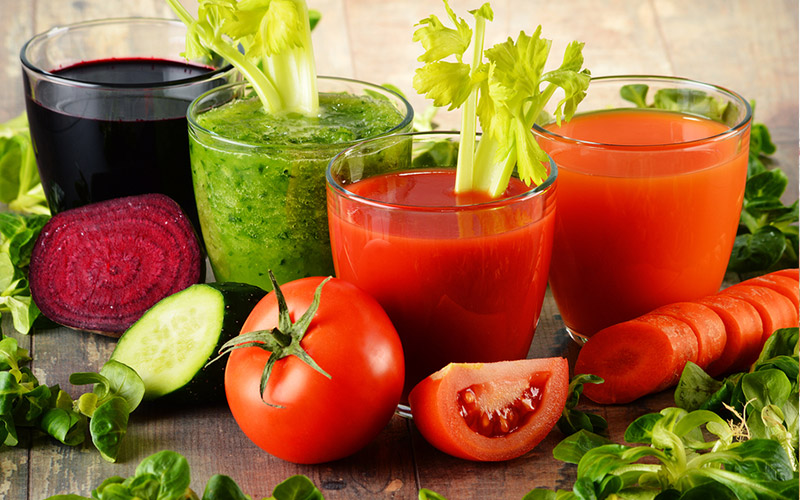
[(635, 93), (10, 392), (694, 387), (447, 83), (20, 187), (574, 447), (221, 487), (641, 429), (573, 420), (757, 459), (108, 426), (8, 431), (296, 487), (761, 141), (64, 425), (769, 184), (123, 381), (171, 469), (440, 41), (759, 250), (690, 101), (766, 387)]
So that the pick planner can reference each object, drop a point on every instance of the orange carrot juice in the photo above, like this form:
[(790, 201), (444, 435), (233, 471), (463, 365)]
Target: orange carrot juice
[(647, 213)]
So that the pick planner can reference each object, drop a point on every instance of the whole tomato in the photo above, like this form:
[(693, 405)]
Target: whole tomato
[(308, 414)]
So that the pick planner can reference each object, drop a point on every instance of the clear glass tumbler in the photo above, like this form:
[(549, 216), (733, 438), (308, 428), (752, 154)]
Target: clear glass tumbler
[(260, 180), (651, 180), (462, 277), (106, 103)]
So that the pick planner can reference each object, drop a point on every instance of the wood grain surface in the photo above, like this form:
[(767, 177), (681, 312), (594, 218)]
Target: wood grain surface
[(748, 46)]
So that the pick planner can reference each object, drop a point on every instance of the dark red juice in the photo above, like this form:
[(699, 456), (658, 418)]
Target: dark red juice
[(125, 135)]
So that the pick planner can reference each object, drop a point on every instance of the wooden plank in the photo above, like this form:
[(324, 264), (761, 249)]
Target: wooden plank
[(17, 27), (750, 48)]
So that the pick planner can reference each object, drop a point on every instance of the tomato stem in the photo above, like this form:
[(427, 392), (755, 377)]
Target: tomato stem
[(282, 341)]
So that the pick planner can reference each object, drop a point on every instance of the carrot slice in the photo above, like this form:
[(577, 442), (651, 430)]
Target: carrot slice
[(743, 330), (706, 325), (781, 284), (623, 355), (789, 273), (776, 311)]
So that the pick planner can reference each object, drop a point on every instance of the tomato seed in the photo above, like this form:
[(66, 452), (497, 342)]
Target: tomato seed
[(502, 421)]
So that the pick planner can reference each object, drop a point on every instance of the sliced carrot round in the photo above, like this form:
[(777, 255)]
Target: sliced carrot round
[(776, 311), (784, 285), (623, 355), (706, 324), (789, 273), (743, 331)]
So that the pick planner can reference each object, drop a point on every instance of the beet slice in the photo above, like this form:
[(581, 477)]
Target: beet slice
[(101, 266)]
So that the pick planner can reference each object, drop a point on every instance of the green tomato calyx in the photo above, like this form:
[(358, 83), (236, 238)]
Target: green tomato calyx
[(281, 341)]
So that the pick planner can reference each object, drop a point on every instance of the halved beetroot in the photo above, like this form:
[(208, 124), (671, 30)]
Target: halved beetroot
[(100, 267)]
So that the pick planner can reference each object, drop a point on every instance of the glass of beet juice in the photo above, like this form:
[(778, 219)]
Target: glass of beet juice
[(106, 103), (461, 276), (651, 180), (259, 177)]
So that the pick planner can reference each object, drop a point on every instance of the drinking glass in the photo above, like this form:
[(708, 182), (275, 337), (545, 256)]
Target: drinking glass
[(262, 200), (651, 180), (106, 103), (462, 277)]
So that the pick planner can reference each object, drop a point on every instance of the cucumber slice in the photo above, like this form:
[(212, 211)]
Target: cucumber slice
[(171, 343)]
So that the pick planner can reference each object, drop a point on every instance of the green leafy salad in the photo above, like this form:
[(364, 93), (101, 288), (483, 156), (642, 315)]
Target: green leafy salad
[(730, 439), (116, 391)]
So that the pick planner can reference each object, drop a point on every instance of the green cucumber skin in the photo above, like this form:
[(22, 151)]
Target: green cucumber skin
[(208, 385)]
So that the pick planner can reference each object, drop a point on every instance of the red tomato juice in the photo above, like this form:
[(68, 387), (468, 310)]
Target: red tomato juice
[(645, 224), (461, 277)]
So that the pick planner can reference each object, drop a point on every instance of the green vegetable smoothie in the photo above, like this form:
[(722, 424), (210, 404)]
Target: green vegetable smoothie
[(259, 179)]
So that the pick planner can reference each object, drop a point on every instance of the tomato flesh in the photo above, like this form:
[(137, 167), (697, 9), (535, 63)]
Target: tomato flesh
[(496, 422), (491, 411)]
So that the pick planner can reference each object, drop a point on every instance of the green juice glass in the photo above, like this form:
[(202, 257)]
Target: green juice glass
[(259, 179)]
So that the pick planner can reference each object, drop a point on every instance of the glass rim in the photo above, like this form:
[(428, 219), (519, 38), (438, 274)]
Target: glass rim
[(540, 131), (154, 21), (533, 191), (408, 117)]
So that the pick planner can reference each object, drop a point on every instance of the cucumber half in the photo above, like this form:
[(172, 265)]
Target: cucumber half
[(170, 345)]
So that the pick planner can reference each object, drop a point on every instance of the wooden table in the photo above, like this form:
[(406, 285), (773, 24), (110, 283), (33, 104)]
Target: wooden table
[(750, 46)]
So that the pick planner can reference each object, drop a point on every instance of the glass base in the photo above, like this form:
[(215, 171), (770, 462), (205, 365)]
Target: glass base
[(404, 411), (577, 337)]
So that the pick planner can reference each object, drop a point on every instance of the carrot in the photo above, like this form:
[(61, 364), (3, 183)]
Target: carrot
[(789, 273), (706, 324), (636, 357), (776, 311), (743, 330), (781, 284)]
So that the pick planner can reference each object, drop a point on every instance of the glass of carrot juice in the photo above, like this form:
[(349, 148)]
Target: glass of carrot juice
[(651, 180), (462, 277)]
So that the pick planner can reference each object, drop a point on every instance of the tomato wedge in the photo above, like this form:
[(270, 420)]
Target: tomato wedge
[(491, 411)]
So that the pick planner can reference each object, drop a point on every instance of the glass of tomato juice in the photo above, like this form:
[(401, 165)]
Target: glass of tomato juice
[(651, 180), (461, 276)]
